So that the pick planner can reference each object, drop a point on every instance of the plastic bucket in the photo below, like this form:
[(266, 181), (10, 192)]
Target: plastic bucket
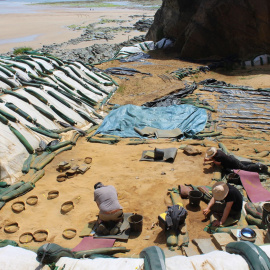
[(195, 197), (136, 222), (266, 211)]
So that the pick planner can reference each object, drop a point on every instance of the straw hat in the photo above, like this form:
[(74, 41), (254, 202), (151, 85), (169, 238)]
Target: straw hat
[(220, 190), (211, 152)]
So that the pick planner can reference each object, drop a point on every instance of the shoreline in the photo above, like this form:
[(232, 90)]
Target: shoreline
[(51, 25)]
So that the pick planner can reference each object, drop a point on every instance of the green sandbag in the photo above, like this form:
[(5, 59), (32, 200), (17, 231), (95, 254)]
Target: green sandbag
[(89, 139), (37, 95), (224, 148), (255, 221), (19, 111), (154, 258), (9, 116), (59, 145), (107, 251), (16, 95), (66, 118), (45, 132), (228, 229), (253, 211), (75, 137), (63, 149), (255, 257), (65, 83), (22, 139), (3, 119), (27, 162), (60, 99), (2, 204), (87, 98), (86, 117), (44, 112), (51, 253), (91, 129), (37, 159), (62, 130), (211, 134), (8, 82), (171, 238), (40, 165), (10, 188), (4, 243), (3, 184), (37, 176), (17, 192)]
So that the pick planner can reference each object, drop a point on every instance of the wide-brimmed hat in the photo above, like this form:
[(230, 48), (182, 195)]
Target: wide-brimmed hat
[(211, 152), (220, 190)]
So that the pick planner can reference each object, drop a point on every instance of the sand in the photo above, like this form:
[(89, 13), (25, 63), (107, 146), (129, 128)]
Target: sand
[(50, 25), (142, 186)]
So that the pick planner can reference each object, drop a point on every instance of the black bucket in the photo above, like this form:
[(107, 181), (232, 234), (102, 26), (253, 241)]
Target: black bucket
[(195, 197), (266, 211), (136, 222)]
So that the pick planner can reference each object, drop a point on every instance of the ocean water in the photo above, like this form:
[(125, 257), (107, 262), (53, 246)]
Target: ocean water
[(20, 6)]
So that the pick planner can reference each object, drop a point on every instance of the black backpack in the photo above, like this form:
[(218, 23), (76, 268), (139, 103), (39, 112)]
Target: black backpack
[(49, 253)]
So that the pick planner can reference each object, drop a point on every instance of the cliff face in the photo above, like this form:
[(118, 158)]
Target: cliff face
[(204, 28)]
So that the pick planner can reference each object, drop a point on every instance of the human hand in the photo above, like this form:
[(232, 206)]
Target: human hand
[(206, 211), (216, 223)]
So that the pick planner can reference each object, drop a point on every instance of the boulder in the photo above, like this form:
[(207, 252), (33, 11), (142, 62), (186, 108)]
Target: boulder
[(208, 28)]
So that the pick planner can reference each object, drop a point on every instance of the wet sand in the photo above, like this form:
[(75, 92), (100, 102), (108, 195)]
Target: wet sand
[(48, 25)]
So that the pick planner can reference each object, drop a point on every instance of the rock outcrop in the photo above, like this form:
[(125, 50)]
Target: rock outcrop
[(204, 28)]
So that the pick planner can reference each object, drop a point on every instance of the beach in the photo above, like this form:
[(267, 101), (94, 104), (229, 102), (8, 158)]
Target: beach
[(42, 25)]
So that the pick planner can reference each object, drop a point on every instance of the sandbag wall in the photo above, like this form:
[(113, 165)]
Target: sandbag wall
[(41, 98)]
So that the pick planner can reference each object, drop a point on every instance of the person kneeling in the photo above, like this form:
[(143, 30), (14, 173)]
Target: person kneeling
[(232, 206), (110, 211)]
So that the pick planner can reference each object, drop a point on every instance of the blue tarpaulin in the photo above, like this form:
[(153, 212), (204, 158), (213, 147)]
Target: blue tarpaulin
[(121, 122)]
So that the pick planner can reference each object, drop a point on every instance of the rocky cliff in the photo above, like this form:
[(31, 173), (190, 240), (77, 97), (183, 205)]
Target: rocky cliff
[(204, 28)]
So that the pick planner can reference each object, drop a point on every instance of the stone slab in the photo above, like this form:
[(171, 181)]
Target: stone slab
[(191, 250), (205, 245), (222, 239)]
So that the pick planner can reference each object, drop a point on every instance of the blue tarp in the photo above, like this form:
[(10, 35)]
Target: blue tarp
[(121, 122)]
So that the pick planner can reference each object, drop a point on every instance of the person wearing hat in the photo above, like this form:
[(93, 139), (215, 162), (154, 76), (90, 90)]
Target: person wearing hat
[(233, 202), (218, 157), (110, 211)]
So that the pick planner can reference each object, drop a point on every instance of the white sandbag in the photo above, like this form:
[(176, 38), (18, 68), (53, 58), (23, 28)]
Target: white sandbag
[(216, 260), (4, 86), (22, 75), (16, 258), (44, 63), (266, 249), (258, 61), (164, 43), (28, 68), (100, 264)]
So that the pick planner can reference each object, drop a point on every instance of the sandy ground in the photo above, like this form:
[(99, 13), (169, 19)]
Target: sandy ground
[(142, 186), (50, 25)]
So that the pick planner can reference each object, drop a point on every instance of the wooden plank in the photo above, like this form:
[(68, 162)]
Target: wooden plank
[(204, 245)]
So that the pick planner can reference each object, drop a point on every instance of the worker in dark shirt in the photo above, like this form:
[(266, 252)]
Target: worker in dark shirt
[(232, 206), (230, 162)]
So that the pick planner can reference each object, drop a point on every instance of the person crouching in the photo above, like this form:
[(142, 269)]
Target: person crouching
[(232, 206), (110, 211)]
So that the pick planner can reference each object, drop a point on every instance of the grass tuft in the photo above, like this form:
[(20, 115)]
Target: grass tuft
[(21, 50)]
